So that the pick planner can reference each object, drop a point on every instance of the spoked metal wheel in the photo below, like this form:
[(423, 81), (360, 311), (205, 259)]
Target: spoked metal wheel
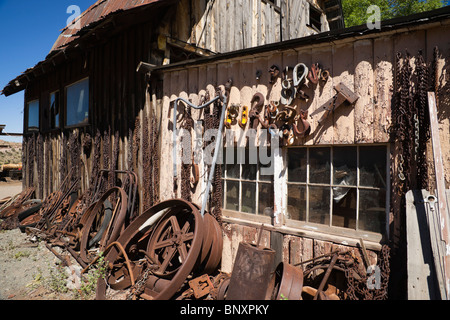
[(173, 245), (103, 226), (173, 239)]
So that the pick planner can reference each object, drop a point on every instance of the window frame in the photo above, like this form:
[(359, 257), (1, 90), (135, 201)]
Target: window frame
[(313, 9), (330, 228), (65, 118)]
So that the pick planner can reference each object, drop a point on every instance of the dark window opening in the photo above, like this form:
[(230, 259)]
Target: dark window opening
[(54, 110), (315, 18)]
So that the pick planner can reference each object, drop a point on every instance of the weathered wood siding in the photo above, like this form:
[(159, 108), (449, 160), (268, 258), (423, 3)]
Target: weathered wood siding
[(229, 25)]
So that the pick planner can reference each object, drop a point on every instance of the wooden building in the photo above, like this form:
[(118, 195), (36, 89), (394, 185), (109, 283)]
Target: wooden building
[(104, 98)]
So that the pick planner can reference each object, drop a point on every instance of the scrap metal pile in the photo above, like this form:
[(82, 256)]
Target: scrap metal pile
[(171, 251)]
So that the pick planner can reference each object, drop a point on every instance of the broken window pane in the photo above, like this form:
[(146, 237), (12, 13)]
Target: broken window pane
[(344, 208), (319, 205), (319, 165), (77, 108), (344, 166), (372, 210), (297, 202)]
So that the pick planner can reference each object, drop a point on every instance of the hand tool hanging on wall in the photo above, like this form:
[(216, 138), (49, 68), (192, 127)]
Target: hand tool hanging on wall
[(344, 94), (244, 117), (274, 72), (288, 91), (257, 103), (224, 99), (232, 114)]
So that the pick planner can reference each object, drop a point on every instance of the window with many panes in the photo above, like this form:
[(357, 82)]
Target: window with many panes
[(77, 103), (338, 186), (33, 116), (247, 187)]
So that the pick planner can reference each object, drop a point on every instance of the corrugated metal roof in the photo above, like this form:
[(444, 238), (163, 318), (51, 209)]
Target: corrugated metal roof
[(95, 13)]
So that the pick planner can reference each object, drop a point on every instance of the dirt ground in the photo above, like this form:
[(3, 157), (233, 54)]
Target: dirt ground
[(28, 270)]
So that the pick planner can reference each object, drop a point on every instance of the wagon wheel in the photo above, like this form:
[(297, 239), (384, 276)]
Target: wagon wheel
[(100, 226), (172, 240), (136, 236)]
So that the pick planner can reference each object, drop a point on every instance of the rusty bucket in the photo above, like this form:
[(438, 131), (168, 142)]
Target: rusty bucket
[(251, 273)]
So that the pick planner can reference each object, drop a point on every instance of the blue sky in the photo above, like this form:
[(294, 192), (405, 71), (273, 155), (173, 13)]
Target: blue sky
[(28, 29)]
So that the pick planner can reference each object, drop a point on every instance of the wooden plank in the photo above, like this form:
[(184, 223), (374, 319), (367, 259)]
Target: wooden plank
[(322, 134), (384, 67), (364, 87), (343, 72), (440, 188), (420, 265)]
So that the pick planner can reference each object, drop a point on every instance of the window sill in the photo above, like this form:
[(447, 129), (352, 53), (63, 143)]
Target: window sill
[(341, 236)]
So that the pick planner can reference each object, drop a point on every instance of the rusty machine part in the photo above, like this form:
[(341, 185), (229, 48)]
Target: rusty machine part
[(164, 245), (98, 221), (257, 103), (251, 273), (303, 128), (286, 283), (16, 205)]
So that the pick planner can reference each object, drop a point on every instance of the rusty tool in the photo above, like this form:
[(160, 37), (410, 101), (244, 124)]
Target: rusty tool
[(244, 117), (314, 73), (257, 103), (201, 286), (303, 127), (274, 72), (344, 94)]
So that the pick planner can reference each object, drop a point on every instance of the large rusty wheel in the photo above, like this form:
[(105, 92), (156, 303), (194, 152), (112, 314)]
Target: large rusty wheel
[(97, 227), (173, 243)]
